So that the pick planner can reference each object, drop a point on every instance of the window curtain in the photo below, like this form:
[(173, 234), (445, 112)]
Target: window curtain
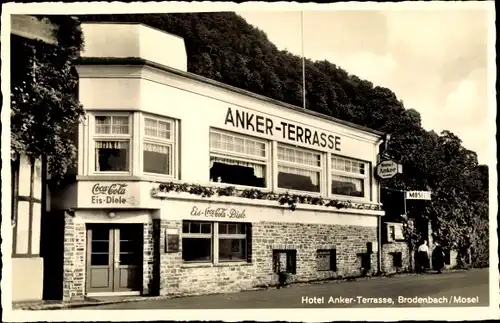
[(314, 175), (111, 145), (343, 179), (259, 170), (299, 157)]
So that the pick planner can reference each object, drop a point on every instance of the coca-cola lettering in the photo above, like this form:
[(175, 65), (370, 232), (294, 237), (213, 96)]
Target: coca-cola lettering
[(113, 194), (113, 189), (228, 213)]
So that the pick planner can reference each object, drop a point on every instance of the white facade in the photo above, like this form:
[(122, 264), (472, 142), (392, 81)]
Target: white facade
[(192, 108), (149, 122)]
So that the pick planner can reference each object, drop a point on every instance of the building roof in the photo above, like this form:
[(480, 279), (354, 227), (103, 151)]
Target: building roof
[(192, 76)]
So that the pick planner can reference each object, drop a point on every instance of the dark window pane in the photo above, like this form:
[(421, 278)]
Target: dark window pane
[(206, 228), (130, 258), (237, 172), (323, 260), (397, 259), (130, 246), (130, 232), (100, 246), (231, 228), (223, 228), (185, 227), (342, 185), (196, 249), (299, 182), (232, 249), (195, 227), (100, 234), (112, 156), (156, 159), (99, 259)]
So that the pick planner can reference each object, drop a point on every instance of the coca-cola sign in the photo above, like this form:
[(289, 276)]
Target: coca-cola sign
[(112, 193)]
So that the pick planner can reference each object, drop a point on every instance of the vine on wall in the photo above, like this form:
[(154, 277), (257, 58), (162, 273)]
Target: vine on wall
[(283, 199)]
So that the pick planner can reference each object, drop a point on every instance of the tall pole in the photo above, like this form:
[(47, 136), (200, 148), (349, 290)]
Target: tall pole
[(303, 60)]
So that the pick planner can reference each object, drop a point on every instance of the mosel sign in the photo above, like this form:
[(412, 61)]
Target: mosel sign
[(418, 195), (388, 169)]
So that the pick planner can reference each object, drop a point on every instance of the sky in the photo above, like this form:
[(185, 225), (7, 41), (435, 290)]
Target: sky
[(434, 61)]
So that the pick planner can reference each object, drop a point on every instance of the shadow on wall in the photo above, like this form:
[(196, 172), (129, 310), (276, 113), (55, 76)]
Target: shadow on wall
[(52, 252)]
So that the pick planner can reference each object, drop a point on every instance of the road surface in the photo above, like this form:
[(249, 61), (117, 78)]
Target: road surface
[(463, 288)]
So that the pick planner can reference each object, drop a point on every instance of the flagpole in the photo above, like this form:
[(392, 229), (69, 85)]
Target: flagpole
[(303, 60)]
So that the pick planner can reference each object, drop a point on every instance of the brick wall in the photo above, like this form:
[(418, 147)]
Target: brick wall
[(74, 259), (177, 278), (387, 256), (148, 260)]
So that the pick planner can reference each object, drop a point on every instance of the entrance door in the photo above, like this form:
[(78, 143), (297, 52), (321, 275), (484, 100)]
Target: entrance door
[(114, 258)]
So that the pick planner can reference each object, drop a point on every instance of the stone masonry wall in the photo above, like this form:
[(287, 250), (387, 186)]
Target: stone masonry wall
[(148, 259), (387, 259), (74, 259), (177, 278)]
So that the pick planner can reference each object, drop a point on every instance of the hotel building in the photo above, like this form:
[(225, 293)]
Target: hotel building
[(187, 186)]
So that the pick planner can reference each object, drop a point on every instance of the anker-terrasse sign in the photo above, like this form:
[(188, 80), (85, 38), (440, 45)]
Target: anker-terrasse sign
[(287, 130)]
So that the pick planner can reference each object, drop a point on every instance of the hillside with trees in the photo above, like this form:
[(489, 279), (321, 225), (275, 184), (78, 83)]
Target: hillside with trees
[(224, 47)]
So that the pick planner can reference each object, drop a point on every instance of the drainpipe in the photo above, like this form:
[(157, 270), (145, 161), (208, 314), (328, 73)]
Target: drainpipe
[(379, 218)]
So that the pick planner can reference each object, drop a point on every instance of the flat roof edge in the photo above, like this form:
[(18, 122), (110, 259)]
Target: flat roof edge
[(141, 61)]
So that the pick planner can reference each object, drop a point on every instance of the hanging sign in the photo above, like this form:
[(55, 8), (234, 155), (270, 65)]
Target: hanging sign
[(388, 169), (418, 195)]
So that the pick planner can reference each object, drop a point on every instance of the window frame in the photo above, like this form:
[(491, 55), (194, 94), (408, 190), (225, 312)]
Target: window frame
[(265, 161), (95, 137), (321, 169), (215, 237), (366, 177), (291, 258), (332, 253), (172, 143)]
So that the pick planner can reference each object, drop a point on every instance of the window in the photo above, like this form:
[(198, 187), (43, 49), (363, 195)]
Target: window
[(228, 240), (397, 259), (326, 259), (299, 169), (158, 146), (395, 232), (112, 143), (232, 242), (196, 241), (349, 177), (238, 160), (285, 261)]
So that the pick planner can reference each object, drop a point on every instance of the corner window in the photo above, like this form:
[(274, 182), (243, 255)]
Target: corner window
[(157, 151), (214, 242), (326, 259), (112, 143), (299, 169), (349, 177), (237, 159)]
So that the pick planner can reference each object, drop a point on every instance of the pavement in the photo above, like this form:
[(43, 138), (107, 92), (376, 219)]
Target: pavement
[(454, 288)]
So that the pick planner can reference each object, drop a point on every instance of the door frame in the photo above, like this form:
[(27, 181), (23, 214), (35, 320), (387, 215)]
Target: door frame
[(114, 249)]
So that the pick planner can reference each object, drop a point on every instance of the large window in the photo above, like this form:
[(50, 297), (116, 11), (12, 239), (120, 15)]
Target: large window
[(197, 241), (299, 169), (238, 160), (349, 177), (112, 143), (214, 241), (232, 242), (158, 146)]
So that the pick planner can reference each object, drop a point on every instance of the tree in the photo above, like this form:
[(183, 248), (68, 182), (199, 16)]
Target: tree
[(45, 111)]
